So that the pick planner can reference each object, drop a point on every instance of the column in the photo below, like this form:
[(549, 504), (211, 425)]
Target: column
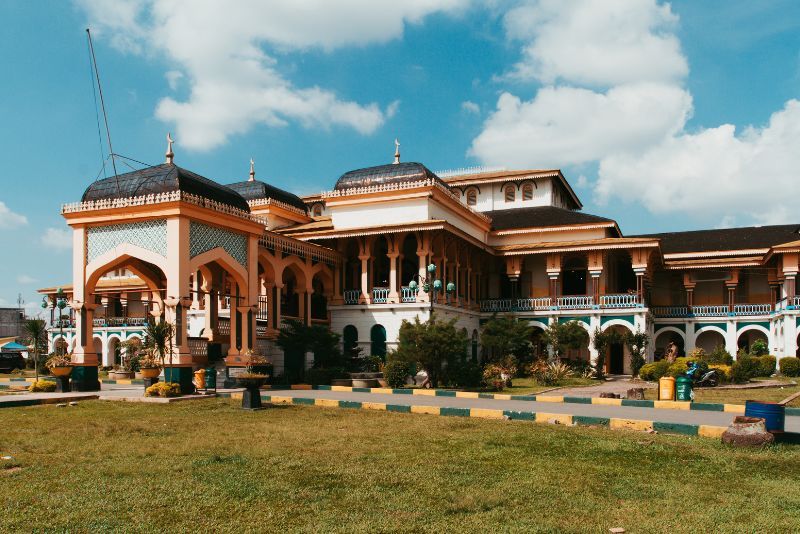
[(393, 295), (84, 358), (595, 286), (195, 291), (212, 311), (365, 296), (553, 273), (276, 306), (422, 255), (123, 300), (338, 296)]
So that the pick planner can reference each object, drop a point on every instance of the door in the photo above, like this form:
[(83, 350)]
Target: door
[(294, 365), (616, 364)]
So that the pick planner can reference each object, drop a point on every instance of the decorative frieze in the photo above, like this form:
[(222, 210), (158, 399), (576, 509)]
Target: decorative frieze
[(149, 235)]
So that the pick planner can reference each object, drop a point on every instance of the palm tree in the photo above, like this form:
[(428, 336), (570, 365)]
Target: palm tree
[(36, 334), (158, 339)]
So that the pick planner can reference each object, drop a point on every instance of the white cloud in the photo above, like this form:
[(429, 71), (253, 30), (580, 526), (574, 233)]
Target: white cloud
[(234, 83), (10, 219), (57, 238), (173, 78), (25, 279), (596, 43), (614, 94), (471, 107)]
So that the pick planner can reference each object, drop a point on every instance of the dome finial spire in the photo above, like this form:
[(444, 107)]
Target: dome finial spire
[(170, 155), (396, 151), (252, 170)]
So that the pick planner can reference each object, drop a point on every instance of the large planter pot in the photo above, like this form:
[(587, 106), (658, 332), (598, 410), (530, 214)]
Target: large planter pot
[(251, 397), (150, 372), (119, 375), (61, 371), (341, 382)]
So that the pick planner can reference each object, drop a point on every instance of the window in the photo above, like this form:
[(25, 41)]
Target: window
[(377, 337), (317, 210), (527, 192), (510, 193), (472, 197)]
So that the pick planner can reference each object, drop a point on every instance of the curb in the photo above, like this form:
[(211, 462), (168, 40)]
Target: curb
[(706, 431), (737, 409)]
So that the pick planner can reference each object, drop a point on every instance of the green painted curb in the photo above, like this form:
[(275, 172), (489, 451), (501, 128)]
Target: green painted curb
[(578, 400), (707, 406), (529, 398), (398, 408), (520, 416), (457, 412), (445, 393), (402, 391), (586, 420), (675, 428), (301, 400), (638, 403), (349, 404), (362, 390)]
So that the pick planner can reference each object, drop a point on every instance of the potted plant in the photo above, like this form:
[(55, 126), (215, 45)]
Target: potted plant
[(59, 364), (120, 372), (149, 366), (252, 379)]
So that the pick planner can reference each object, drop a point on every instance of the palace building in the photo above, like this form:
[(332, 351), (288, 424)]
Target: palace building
[(228, 264)]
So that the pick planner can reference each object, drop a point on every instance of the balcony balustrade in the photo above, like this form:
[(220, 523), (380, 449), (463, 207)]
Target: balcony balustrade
[(752, 309), (534, 304), (670, 311), (576, 302), (408, 295), (380, 295), (622, 300), (351, 296)]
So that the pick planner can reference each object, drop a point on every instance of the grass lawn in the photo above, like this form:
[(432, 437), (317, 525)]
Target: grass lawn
[(529, 386), (739, 396), (209, 466)]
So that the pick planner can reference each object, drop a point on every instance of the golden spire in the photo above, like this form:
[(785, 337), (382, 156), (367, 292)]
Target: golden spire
[(252, 171), (170, 155), (396, 151)]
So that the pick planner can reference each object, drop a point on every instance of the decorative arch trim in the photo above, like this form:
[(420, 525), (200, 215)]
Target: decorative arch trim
[(584, 320), (675, 326), (710, 328), (670, 329), (748, 328), (616, 322)]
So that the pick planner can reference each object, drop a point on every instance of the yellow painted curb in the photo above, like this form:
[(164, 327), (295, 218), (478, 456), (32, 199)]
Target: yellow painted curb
[(708, 431), (329, 403), (672, 405), (547, 398), (374, 406), (605, 402), (486, 413), (430, 410), (280, 400), (384, 391), (302, 387), (498, 396), (735, 408), (467, 395), (236, 396), (341, 388), (426, 392), (554, 418), (630, 424)]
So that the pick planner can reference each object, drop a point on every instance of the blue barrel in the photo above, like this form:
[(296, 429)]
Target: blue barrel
[(773, 414)]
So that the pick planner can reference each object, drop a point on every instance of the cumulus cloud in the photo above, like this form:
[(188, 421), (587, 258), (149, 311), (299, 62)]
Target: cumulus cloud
[(10, 219), (613, 93), (227, 53), (57, 238), (470, 107)]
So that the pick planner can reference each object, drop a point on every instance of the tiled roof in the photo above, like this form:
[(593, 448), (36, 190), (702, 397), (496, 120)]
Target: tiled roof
[(727, 239), (542, 216), (582, 244), (164, 178), (254, 190), (386, 174)]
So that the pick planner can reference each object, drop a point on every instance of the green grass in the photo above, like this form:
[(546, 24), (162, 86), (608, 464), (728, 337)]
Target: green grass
[(209, 466), (529, 386), (739, 396)]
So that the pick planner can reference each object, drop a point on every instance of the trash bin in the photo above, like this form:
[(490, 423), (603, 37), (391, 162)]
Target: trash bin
[(666, 388), (683, 389), (200, 379), (211, 378)]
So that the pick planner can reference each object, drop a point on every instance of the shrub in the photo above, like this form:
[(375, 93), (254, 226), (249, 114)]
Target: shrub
[(317, 377), (745, 368), (42, 386), (759, 348), (697, 354), (718, 356), (395, 373), (678, 368), (790, 366), (766, 365), (723, 372), (494, 377), (467, 374), (371, 364), (163, 389), (653, 371)]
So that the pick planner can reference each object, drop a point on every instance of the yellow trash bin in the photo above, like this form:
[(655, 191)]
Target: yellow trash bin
[(200, 379), (666, 388)]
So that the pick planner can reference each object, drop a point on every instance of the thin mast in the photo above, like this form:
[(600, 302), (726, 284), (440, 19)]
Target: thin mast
[(103, 107)]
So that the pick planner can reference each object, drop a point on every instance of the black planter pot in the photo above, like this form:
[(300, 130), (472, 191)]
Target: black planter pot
[(251, 397)]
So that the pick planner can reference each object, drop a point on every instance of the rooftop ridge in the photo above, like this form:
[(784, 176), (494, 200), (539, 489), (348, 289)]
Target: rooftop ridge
[(464, 171)]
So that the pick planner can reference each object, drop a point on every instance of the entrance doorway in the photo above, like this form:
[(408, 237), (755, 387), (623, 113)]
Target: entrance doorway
[(616, 359)]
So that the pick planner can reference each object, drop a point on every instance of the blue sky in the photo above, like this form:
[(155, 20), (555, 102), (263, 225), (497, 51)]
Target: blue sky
[(662, 116)]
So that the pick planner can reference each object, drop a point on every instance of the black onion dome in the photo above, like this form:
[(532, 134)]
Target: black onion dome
[(255, 190), (164, 178), (392, 173)]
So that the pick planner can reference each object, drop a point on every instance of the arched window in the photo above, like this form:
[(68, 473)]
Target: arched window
[(527, 192), (350, 339), (472, 197), (511, 193), (377, 337), (317, 210)]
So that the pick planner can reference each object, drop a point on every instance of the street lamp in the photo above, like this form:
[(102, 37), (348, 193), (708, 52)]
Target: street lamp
[(60, 303), (431, 285)]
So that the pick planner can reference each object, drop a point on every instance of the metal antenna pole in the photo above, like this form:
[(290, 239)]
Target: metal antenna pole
[(103, 107)]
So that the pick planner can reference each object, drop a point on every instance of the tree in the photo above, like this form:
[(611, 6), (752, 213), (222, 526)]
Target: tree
[(507, 336), (295, 336), (158, 339), (433, 345), (563, 336), (637, 345), (36, 338)]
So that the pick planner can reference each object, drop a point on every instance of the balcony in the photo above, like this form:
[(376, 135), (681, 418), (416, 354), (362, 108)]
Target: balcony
[(575, 302), (714, 310), (351, 296), (408, 295), (101, 322), (380, 295)]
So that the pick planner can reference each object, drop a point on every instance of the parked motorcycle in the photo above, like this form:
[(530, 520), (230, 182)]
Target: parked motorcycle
[(700, 378)]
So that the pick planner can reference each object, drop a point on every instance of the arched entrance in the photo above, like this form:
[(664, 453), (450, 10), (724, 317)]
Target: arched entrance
[(708, 340), (380, 265), (350, 341), (748, 337), (662, 341), (377, 337), (618, 358)]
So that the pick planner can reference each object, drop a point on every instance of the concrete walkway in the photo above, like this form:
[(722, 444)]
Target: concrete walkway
[(691, 417)]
